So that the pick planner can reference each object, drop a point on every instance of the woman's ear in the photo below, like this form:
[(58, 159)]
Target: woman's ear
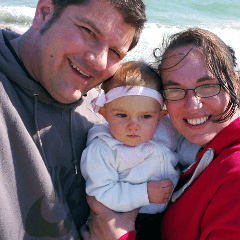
[(103, 112), (43, 13), (237, 82)]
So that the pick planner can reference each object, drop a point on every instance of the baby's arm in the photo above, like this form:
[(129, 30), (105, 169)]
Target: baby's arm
[(168, 135), (160, 191)]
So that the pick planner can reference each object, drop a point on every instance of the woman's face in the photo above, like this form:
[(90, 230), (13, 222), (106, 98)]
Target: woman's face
[(192, 115)]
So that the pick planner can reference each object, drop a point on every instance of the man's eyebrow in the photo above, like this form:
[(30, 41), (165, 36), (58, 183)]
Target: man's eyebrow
[(91, 24)]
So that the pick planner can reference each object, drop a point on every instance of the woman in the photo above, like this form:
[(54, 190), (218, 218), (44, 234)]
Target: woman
[(200, 89)]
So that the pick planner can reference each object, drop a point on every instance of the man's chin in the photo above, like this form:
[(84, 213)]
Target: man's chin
[(70, 99)]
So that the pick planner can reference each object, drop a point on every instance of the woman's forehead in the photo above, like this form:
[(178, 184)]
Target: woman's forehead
[(183, 52), (186, 68), (181, 56)]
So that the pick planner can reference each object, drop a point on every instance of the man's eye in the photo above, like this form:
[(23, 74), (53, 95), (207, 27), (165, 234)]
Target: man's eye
[(146, 116), (87, 30), (122, 115), (115, 53)]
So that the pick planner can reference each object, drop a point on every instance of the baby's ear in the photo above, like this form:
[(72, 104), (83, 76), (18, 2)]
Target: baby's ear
[(162, 114), (103, 112)]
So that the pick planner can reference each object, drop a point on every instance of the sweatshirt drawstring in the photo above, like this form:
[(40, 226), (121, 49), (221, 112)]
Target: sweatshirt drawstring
[(74, 161), (39, 141), (38, 134)]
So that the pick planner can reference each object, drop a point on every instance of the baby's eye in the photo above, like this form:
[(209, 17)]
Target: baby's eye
[(122, 115), (146, 116)]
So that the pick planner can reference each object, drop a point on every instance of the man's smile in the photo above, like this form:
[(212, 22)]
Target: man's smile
[(77, 69)]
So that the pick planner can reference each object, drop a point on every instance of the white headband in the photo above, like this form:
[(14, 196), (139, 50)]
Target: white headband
[(118, 92)]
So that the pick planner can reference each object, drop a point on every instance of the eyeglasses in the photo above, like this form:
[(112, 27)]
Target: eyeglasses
[(203, 91)]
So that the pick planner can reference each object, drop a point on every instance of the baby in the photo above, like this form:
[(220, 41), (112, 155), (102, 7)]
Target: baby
[(126, 157)]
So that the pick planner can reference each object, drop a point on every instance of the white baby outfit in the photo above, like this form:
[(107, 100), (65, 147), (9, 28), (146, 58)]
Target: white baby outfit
[(117, 174)]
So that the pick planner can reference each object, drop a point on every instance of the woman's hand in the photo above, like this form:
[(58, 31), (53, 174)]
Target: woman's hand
[(107, 224)]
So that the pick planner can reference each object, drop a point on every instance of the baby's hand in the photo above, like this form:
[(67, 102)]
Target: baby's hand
[(159, 191)]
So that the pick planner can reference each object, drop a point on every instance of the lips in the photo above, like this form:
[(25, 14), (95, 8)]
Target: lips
[(133, 136), (81, 72), (197, 121)]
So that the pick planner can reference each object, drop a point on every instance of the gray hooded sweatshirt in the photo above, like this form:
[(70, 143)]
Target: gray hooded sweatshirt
[(42, 193)]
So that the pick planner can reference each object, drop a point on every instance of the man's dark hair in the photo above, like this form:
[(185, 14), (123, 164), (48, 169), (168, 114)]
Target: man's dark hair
[(133, 12)]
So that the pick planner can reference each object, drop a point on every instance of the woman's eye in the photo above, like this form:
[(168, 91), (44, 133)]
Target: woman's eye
[(122, 115)]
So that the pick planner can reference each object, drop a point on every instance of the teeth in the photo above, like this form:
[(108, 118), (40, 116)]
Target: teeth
[(75, 67), (197, 121)]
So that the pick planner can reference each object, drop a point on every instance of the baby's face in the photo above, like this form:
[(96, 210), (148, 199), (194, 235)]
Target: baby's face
[(133, 119)]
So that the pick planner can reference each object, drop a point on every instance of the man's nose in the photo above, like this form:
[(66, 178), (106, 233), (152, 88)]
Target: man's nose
[(97, 56)]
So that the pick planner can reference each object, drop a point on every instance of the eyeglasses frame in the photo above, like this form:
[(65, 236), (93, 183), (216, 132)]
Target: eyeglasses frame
[(194, 89)]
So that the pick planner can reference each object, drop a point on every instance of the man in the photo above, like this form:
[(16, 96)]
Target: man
[(71, 47)]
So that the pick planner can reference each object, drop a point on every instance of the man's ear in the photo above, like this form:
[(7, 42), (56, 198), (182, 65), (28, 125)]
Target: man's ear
[(103, 112), (44, 11)]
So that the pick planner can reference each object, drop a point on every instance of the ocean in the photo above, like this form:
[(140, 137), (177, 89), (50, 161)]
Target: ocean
[(165, 17)]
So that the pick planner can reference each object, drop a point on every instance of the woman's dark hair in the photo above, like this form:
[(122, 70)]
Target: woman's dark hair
[(133, 12), (220, 60)]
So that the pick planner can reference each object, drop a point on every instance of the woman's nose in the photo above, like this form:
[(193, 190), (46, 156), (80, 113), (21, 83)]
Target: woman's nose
[(192, 100)]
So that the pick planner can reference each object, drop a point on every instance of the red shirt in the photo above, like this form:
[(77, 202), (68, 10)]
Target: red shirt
[(210, 207), (129, 236)]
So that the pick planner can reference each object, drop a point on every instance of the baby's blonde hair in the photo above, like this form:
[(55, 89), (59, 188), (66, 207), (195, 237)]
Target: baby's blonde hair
[(133, 73)]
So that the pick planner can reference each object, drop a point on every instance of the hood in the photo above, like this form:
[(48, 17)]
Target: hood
[(13, 68), (103, 132)]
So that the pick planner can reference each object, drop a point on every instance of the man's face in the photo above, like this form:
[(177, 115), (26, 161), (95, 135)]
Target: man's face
[(82, 48)]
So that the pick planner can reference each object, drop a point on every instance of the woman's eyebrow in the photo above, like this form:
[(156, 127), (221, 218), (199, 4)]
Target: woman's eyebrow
[(205, 78), (170, 83), (202, 79)]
